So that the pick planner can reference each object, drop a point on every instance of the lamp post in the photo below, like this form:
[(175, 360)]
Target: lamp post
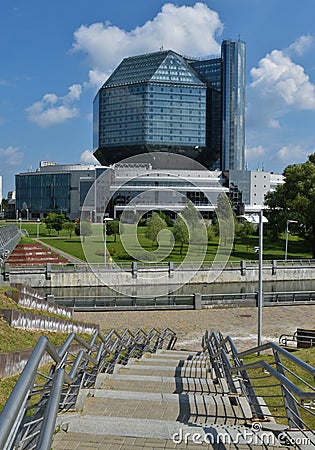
[(287, 237), (105, 220), (37, 229), (260, 291)]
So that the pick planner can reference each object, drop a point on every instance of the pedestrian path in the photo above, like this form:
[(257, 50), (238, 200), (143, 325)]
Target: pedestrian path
[(166, 400)]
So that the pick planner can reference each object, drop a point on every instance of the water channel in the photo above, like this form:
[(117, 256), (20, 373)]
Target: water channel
[(214, 288)]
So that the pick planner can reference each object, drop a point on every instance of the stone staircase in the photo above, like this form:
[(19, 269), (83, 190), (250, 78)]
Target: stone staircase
[(166, 400), (34, 255)]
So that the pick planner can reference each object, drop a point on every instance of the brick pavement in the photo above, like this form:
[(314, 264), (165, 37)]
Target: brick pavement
[(240, 323)]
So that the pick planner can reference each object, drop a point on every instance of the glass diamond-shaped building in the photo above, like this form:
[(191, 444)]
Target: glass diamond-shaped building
[(169, 103)]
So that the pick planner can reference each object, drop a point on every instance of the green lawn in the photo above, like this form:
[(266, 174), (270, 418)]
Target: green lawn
[(12, 339), (268, 387), (93, 248)]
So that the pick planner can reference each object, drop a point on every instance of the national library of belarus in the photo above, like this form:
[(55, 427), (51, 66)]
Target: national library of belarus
[(165, 104)]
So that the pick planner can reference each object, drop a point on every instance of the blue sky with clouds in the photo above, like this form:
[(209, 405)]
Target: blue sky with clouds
[(55, 55)]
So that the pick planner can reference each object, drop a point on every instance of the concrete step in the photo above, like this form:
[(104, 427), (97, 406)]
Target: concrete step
[(130, 433), (158, 370), (167, 400), (153, 383), (173, 362), (177, 354), (190, 407)]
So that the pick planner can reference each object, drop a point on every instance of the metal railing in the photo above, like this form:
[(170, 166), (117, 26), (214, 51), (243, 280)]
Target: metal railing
[(29, 416), (143, 266), (99, 302), (103, 302), (10, 236), (279, 380)]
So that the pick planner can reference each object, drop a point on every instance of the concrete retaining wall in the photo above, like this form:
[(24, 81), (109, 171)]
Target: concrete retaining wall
[(26, 297), (28, 321), (138, 283), (13, 363)]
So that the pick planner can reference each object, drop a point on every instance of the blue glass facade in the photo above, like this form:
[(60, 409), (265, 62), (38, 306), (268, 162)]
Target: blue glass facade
[(233, 105), (161, 102), (43, 192)]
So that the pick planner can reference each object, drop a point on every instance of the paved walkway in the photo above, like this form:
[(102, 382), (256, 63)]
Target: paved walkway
[(240, 323)]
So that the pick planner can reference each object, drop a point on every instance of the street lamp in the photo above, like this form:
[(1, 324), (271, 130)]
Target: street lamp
[(260, 287), (37, 230), (287, 237), (105, 220)]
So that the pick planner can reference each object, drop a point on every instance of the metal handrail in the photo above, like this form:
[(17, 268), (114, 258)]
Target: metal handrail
[(219, 347), (20, 427), (126, 265)]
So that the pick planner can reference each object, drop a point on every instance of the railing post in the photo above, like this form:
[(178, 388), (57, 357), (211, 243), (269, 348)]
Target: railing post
[(171, 269), (243, 267), (274, 267), (6, 273), (197, 301), (48, 271), (50, 415), (50, 298), (292, 412), (134, 269)]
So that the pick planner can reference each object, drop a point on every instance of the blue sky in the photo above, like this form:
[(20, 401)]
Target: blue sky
[(55, 55)]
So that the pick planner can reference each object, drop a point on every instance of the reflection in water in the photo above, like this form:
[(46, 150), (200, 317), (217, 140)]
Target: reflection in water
[(214, 288)]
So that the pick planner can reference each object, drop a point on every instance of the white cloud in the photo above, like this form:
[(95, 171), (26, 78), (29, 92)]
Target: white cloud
[(300, 46), (279, 86), (88, 158), (11, 156), (292, 152), (185, 29), (252, 153), (54, 110), (279, 78)]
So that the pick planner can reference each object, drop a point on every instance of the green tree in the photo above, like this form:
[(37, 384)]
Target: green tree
[(48, 221), (244, 232), (69, 226), (58, 221), (112, 228), (85, 229), (225, 219), (180, 232), (155, 224), (295, 200)]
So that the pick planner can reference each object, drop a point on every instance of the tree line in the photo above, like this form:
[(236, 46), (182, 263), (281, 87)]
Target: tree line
[(294, 200)]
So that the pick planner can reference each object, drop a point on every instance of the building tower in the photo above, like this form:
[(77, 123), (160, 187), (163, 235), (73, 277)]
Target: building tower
[(164, 102), (233, 55)]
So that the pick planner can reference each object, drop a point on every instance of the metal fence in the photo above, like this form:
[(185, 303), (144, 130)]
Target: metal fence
[(165, 266), (101, 302), (29, 416), (279, 381), (10, 236)]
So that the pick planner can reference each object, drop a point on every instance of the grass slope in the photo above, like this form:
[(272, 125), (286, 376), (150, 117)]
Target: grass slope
[(12, 339)]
